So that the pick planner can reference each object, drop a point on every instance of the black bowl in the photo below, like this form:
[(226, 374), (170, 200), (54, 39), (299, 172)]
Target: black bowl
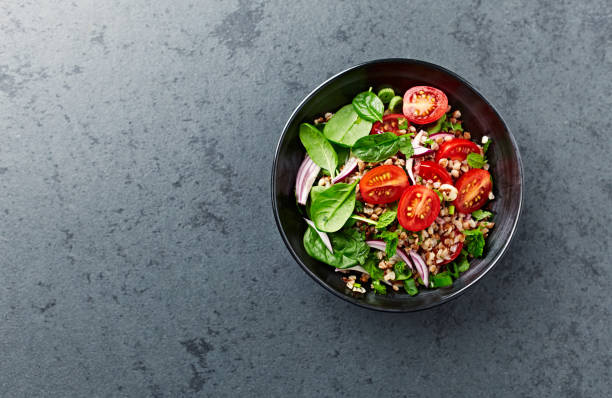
[(479, 117)]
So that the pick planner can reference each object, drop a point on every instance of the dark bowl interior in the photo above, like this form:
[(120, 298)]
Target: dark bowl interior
[(479, 117)]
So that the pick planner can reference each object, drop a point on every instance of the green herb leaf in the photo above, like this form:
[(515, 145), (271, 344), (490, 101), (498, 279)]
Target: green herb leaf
[(475, 160), (442, 279), (405, 145), (366, 220), (371, 267), (349, 247), (319, 149), (486, 146), (386, 219), (452, 270), (379, 288), (448, 126), (333, 206), (437, 126), (346, 127), (377, 147), (481, 214), (368, 106), (391, 239), (462, 262), (410, 287), (474, 242), (401, 273)]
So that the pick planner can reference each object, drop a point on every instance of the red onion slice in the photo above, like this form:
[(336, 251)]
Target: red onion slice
[(322, 235), (306, 176), (422, 151), (348, 169), (409, 170), (420, 266), (441, 135)]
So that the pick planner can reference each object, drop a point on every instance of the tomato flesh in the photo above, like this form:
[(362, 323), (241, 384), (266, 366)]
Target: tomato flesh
[(454, 254), (383, 184), (418, 208), (390, 124), (424, 104), (473, 190), (456, 149), (429, 170)]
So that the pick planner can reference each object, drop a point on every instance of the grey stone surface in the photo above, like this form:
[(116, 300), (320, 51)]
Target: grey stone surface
[(139, 255)]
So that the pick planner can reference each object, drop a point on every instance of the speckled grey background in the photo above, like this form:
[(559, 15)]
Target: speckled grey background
[(139, 255)]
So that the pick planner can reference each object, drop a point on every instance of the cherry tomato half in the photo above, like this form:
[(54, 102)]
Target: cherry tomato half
[(390, 124), (456, 149), (383, 184), (429, 170), (455, 254), (424, 104), (474, 187), (418, 208)]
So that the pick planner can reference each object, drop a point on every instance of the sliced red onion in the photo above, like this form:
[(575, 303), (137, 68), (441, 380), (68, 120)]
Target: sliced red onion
[(420, 266), (306, 176), (409, 170), (322, 235), (422, 151), (416, 141), (381, 245), (348, 169)]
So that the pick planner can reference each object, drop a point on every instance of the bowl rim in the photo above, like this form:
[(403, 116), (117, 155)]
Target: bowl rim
[(351, 299)]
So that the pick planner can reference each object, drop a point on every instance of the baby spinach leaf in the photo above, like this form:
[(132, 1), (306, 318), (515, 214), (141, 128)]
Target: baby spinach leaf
[(315, 191), (349, 248), (333, 206), (475, 160), (474, 242), (319, 149), (377, 147), (386, 219), (405, 145), (346, 127), (369, 106), (343, 153)]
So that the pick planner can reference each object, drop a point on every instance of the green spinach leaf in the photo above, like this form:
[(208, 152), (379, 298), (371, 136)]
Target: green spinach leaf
[(377, 147), (333, 206), (319, 149), (369, 106), (346, 127), (349, 248)]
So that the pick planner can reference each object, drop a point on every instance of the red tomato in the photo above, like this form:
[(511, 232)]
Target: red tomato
[(429, 170), (418, 208), (383, 184), (424, 104), (390, 124), (474, 187), (454, 254), (456, 149)]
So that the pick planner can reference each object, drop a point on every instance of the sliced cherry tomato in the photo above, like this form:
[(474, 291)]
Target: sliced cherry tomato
[(456, 149), (424, 104), (392, 123), (474, 187), (429, 170), (383, 184), (418, 208), (455, 254)]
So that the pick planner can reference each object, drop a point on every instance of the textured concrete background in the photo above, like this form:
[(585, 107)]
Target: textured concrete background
[(139, 256)]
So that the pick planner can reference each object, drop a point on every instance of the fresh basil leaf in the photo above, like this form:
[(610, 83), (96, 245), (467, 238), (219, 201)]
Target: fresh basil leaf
[(368, 106), (333, 206), (442, 279), (481, 214), (346, 127), (405, 145), (391, 240), (349, 247), (474, 242), (376, 147), (475, 160), (378, 287), (410, 287), (437, 126), (386, 219), (319, 149)]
